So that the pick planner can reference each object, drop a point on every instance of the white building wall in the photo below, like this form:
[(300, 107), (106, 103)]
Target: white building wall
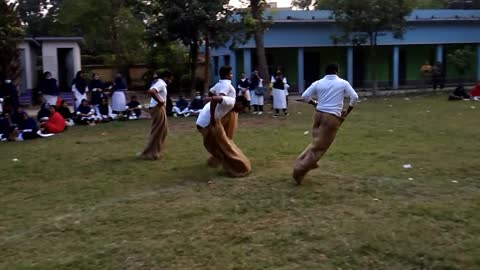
[(50, 55), (29, 67)]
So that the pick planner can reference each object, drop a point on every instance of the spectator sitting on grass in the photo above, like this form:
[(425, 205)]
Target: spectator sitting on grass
[(134, 109), (104, 112), (85, 114), (28, 127), (475, 92), (54, 124), (181, 107), (7, 131), (43, 113), (196, 105), (66, 113), (459, 93)]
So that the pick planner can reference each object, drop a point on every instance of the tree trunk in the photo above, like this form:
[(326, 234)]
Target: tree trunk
[(257, 14), (373, 56), (193, 67), (206, 83)]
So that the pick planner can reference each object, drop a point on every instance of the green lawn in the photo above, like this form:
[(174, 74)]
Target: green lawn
[(81, 200)]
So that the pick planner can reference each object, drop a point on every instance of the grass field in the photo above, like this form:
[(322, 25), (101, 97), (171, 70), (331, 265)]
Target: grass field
[(81, 200)]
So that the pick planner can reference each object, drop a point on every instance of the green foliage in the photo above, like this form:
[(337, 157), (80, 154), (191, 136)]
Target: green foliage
[(363, 21), (10, 34), (191, 23), (108, 26), (38, 16), (461, 59), (302, 4)]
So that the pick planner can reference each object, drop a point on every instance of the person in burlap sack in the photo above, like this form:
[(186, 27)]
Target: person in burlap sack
[(327, 95), (224, 87), (159, 131)]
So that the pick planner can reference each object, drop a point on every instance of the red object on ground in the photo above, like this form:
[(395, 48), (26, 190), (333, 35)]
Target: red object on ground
[(475, 92)]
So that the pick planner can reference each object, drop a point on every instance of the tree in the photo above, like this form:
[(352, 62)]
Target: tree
[(38, 16), (10, 34), (259, 25), (364, 21), (461, 59), (192, 22), (108, 26), (302, 4)]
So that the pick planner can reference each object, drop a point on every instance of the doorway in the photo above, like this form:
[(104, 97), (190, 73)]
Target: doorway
[(65, 68)]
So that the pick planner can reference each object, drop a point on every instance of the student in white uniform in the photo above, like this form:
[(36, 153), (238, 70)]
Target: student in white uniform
[(244, 91), (327, 96), (215, 140), (79, 88), (158, 112), (256, 93), (280, 90)]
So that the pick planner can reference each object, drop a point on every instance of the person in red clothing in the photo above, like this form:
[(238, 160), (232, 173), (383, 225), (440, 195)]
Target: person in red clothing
[(55, 124), (475, 92)]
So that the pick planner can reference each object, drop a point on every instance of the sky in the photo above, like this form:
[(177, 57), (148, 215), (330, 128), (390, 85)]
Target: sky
[(280, 3)]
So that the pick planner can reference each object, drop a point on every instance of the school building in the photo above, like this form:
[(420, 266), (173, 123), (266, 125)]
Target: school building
[(301, 43)]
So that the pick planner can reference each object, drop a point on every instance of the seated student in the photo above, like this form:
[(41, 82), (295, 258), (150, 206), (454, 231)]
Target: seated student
[(28, 127), (134, 109), (196, 105), (7, 131), (96, 87), (459, 94), (54, 124), (44, 112), (66, 113), (475, 92), (104, 111), (169, 106), (181, 107), (85, 114)]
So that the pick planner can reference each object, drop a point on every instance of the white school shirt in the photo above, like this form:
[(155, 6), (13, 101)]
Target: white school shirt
[(224, 87), (161, 87), (330, 93), (221, 110)]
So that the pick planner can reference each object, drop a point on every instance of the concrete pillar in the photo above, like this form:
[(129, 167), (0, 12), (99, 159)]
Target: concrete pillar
[(301, 71), (350, 65), (247, 62), (233, 64), (439, 54), (396, 66), (478, 62)]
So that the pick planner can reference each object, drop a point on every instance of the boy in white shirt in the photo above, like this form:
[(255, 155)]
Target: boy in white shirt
[(215, 139), (327, 96), (158, 134)]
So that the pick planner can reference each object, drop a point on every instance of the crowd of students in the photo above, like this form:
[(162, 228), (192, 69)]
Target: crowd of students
[(55, 115)]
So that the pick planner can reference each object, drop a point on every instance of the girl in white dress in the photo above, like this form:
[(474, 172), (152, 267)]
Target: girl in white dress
[(280, 93), (119, 101), (79, 88), (256, 95)]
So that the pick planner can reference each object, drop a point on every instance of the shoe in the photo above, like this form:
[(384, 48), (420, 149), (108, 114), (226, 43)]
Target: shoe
[(186, 115), (175, 115), (275, 115), (287, 114), (254, 112), (260, 113)]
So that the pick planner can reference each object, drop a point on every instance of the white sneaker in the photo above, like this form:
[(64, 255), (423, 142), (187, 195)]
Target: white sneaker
[(175, 114), (186, 115), (254, 112), (260, 113)]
